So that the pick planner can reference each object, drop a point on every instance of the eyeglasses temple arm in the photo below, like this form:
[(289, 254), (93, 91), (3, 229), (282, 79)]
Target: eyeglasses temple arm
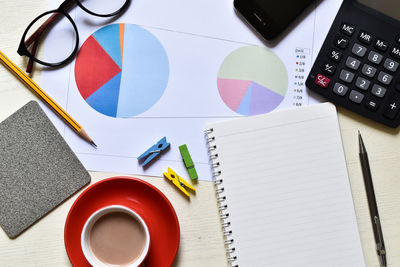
[(29, 67)]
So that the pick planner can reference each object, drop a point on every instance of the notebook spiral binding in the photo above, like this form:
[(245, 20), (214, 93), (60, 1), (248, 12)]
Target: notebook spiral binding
[(221, 198)]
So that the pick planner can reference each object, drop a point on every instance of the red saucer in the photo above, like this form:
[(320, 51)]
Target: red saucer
[(140, 196)]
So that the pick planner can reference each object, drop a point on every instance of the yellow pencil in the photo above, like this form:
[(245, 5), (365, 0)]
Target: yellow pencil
[(42, 95)]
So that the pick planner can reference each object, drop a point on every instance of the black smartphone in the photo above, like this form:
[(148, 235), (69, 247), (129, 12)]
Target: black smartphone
[(270, 17)]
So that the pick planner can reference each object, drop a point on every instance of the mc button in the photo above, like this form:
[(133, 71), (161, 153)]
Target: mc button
[(347, 29)]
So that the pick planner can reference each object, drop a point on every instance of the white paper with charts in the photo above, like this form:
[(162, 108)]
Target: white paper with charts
[(167, 68)]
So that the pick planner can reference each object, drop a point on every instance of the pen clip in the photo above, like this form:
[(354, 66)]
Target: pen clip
[(379, 246)]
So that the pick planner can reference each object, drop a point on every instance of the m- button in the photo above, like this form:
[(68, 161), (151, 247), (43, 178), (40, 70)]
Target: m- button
[(381, 45)]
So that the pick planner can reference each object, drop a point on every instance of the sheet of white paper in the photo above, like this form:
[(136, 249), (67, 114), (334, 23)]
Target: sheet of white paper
[(197, 36)]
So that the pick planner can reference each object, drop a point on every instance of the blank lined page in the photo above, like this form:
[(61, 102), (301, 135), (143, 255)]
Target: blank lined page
[(287, 189)]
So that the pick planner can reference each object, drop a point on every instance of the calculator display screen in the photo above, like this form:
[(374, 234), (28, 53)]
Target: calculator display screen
[(388, 7)]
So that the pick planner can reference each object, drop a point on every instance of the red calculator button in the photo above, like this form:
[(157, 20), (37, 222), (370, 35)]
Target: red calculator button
[(322, 81)]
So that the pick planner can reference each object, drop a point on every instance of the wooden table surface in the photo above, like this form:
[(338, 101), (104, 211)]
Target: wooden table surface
[(201, 236)]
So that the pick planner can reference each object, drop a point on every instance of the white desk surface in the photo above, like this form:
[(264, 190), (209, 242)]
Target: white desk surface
[(201, 236)]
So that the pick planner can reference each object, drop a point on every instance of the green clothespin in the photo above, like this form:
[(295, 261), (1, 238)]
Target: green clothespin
[(188, 162)]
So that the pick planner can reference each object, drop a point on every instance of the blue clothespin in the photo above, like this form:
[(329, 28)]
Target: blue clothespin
[(154, 151)]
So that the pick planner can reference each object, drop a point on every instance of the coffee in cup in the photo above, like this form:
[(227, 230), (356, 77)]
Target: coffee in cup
[(115, 236)]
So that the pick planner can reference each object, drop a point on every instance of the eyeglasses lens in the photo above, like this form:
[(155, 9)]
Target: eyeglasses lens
[(103, 7), (59, 38)]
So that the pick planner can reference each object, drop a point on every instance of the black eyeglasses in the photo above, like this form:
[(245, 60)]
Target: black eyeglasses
[(63, 31)]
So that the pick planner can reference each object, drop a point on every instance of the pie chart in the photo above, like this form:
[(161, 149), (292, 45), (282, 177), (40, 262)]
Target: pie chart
[(121, 70), (252, 80)]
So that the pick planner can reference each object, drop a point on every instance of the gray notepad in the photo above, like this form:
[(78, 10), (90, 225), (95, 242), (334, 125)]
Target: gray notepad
[(38, 170)]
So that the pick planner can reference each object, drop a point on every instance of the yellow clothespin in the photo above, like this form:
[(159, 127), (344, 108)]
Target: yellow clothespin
[(178, 181)]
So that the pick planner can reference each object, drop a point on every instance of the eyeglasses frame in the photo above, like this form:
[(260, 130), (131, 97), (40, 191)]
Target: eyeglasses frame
[(63, 10)]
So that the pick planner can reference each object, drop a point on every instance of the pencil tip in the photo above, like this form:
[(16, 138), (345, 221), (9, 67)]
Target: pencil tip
[(93, 144)]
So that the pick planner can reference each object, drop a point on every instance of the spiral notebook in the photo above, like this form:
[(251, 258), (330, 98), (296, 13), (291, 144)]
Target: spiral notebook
[(283, 190)]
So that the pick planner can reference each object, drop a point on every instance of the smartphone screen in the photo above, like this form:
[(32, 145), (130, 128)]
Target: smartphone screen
[(271, 17)]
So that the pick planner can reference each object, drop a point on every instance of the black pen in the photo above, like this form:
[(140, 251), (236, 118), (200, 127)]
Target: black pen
[(373, 209)]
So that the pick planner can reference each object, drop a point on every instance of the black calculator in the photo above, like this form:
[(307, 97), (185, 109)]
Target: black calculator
[(358, 64)]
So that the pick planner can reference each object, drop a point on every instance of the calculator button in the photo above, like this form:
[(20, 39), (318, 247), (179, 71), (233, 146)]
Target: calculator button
[(353, 63), (368, 70), (340, 89), (372, 104), (375, 57), (398, 38), (395, 52), (392, 107), (385, 78), (359, 50), (365, 37), (341, 42), (381, 45), (346, 76), (378, 91), (328, 68), (335, 55), (392, 110), (362, 83), (391, 65), (322, 81), (347, 29), (356, 96)]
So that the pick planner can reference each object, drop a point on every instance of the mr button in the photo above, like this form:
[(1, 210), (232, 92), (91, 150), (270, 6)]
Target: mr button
[(392, 107)]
